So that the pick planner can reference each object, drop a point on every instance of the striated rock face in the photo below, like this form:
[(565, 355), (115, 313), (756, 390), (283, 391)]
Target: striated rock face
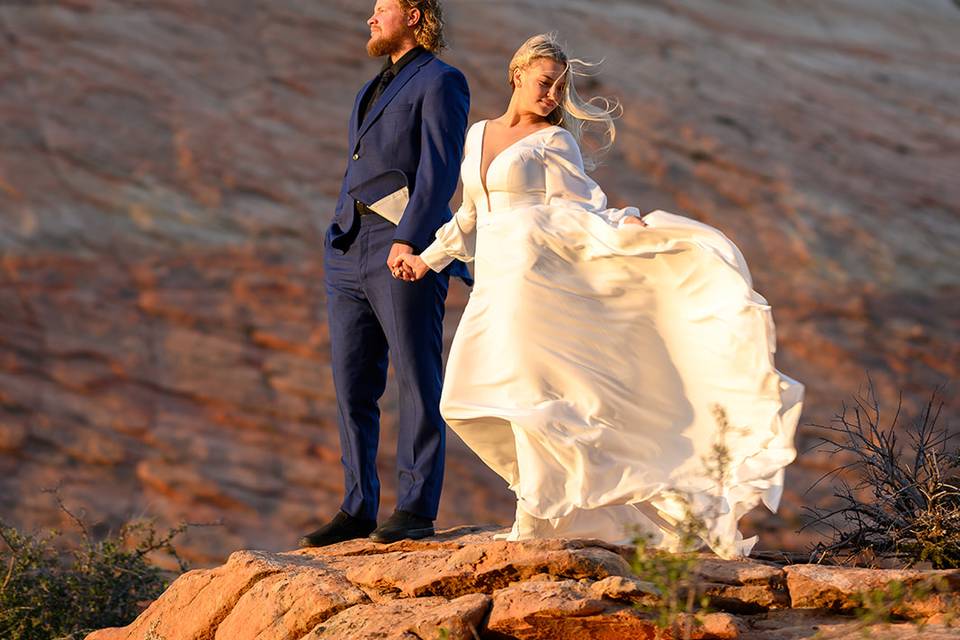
[(463, 584), (167, 169)]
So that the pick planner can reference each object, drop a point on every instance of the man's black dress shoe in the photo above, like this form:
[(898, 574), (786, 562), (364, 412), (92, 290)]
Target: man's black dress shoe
[(342, 527), (403, 525)]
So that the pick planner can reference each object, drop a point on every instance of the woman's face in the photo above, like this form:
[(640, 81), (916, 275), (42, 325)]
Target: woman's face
[(539, 86)]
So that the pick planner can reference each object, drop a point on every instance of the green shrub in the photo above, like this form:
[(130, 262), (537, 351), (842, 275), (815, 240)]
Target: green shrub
[(47, 593), (674, 574)]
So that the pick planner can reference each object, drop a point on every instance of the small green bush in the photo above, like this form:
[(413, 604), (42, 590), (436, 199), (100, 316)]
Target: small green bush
[(678, 609), (47, 593)]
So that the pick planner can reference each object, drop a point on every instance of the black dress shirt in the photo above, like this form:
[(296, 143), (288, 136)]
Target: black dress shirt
[(387, 74)]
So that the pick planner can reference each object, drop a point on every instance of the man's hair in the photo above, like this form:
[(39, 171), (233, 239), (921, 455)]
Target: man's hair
[(429, 29)]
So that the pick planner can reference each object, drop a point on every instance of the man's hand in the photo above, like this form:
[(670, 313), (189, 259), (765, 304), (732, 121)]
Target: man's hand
[(411, 267), (634, 220), (393, 260)]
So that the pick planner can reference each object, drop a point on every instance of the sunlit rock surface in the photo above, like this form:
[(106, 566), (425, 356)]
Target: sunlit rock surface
[(463, 584)]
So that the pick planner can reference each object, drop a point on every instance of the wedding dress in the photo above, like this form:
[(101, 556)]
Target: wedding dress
[(593, 357)]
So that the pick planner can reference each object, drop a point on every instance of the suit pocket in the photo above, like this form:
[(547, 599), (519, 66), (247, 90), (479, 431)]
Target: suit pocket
[(399, 127)]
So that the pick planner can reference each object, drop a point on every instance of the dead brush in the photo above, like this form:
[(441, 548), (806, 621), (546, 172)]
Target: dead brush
[(896, 500)]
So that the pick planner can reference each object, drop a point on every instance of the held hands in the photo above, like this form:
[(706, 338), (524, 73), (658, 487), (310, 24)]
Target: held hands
[(411, 268), (404, 265)]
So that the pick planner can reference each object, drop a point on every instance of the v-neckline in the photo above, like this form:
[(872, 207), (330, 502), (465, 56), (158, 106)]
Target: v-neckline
[(483, 143)]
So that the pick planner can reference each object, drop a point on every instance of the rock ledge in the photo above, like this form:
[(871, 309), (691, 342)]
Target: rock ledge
[(463, 584)]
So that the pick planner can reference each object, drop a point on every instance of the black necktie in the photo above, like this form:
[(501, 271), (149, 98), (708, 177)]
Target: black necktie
[(378, 90)]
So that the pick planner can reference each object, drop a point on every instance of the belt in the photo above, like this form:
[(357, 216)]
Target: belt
[(362, 209)]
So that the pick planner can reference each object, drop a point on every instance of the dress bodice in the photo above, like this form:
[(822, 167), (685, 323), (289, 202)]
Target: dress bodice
[(518, 175)]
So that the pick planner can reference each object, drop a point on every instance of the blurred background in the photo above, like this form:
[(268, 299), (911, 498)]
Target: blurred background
[(168, 167)]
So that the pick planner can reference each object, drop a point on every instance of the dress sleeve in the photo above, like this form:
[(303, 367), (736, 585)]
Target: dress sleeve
[(567, 183), (457, 239)]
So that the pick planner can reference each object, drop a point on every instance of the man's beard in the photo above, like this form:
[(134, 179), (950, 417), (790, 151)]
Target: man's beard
[(379, 46)]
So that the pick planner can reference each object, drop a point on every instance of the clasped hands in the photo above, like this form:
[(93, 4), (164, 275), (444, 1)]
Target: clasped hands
[(404, 265)]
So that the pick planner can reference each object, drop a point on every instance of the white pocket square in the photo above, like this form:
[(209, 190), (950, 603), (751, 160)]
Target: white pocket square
[(392, 205)]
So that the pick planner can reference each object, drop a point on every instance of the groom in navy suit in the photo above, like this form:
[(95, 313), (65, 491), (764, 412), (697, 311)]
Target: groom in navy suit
[(406, 141)]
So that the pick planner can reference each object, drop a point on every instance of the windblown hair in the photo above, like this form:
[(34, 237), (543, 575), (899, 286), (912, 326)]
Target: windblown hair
[(430, 28), (573, 111)]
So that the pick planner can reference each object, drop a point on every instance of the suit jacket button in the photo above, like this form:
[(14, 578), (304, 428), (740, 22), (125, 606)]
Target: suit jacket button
[(356, 156)]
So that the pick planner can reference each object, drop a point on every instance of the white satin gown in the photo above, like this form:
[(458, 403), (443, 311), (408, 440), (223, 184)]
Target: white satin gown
[(592, 356)]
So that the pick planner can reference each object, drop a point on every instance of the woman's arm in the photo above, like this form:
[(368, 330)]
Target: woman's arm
[(567, 183), (456, 240)]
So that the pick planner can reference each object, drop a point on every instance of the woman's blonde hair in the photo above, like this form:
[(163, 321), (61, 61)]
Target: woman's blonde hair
[(573, 111), (429, 29)]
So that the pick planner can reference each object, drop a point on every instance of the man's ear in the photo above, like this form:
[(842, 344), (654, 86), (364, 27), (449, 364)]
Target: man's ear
[(413, 18)]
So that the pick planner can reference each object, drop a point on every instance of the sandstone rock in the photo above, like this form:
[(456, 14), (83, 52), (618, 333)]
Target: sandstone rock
[(462, 582), (198, 601), (624, 588), (452, 540), (13, 435), (802, 624), (94, 448), (721, 626), (570, 610), (483, 567), (289, 604), (840, 588), (743, 586), (430, 618), (562, 610)]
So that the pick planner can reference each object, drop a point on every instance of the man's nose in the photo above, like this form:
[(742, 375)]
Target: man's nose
[(371, 20)]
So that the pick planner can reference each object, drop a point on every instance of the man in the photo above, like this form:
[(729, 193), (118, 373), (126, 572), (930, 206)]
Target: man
[(406, 141)]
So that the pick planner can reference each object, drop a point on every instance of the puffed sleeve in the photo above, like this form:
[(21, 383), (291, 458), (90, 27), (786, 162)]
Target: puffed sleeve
[(456, 240), (567, 183)]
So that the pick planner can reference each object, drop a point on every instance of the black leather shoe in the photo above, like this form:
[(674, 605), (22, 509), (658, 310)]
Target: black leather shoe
[(342, 527), (403, 525)]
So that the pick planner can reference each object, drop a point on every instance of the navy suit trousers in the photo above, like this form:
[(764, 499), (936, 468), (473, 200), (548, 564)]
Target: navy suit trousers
[(371, 315)]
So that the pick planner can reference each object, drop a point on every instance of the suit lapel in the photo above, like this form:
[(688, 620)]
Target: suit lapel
[(355, 116), (392, 90)]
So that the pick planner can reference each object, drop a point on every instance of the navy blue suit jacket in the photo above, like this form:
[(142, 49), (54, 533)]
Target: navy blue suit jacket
[(413, 136)]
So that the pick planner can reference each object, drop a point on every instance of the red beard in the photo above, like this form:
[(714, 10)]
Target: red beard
[(379, 46)]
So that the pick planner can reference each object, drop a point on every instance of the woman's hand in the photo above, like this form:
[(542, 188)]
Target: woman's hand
[(409, 267), (634, 220)]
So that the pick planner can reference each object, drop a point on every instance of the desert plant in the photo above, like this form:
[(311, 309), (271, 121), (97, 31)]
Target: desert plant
[(47, 593), (903, 501), (674, 574), (674, 577)]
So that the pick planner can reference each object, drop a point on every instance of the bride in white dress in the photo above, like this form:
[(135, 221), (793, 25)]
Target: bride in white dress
[(597, 345)]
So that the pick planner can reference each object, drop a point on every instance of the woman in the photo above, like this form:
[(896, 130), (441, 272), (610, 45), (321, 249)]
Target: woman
[(600, 355)]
